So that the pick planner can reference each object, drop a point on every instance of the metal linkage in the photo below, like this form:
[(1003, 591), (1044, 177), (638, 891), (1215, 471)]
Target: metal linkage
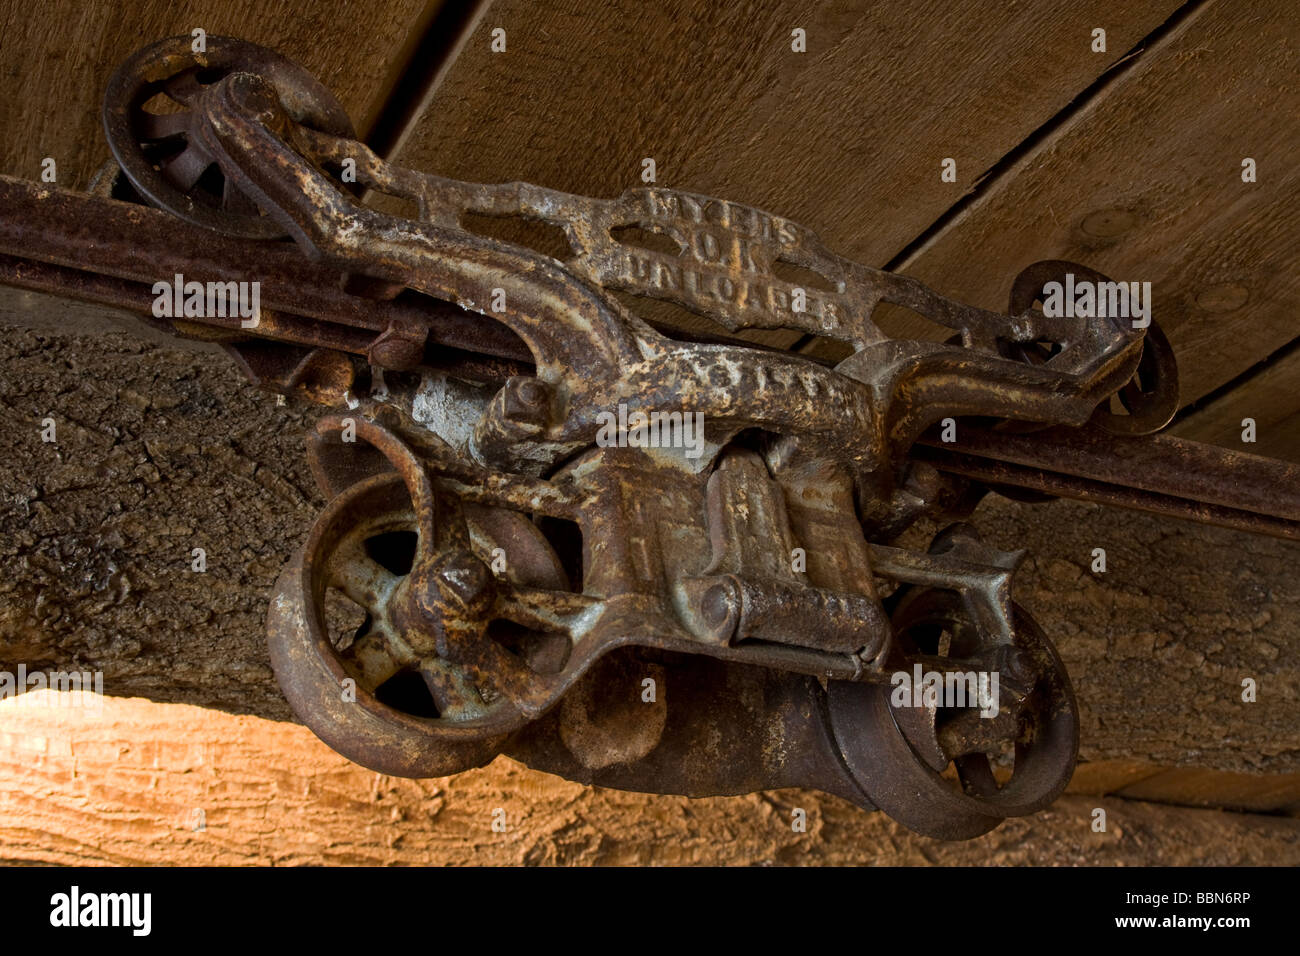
[(620, 553)]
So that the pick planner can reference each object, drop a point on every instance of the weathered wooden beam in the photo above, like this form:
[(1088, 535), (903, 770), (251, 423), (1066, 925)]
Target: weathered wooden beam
[(143, 784), (1269, 398), (1144, 182), (57, 57), (846, 138)]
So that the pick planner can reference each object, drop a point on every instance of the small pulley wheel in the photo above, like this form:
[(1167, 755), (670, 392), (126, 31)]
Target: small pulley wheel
[(1148, 401), (955, 769), (350, 667), (150, 121)]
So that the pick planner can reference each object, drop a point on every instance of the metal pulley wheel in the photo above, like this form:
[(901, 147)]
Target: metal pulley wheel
[(380, 692), (1149, 400), (947, 771), (150, 115)]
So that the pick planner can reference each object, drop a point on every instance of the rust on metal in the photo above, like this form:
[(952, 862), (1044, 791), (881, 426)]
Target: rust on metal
[(620, 553)]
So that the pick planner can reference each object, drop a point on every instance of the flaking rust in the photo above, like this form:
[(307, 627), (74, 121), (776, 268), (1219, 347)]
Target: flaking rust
[(525, 551)]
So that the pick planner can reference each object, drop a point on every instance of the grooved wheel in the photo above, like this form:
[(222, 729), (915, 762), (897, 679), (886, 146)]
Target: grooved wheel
[(149, 116), (1148, 401), (336, 616), (937, 769)]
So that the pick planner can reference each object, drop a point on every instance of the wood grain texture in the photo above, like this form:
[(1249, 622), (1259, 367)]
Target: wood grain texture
[(160, 451), (127, 786), (1270, 397), (56, 57), (1144, 183), (846, 139), (1193, 787)]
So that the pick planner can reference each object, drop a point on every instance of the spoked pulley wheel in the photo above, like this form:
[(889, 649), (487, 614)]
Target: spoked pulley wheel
[(355, 668), (1148, 401), (952, 769), (150, 123)]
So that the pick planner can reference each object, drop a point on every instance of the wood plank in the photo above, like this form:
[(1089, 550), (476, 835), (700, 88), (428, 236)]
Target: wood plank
[(1187, 786), (846, 139), (1270, 397), (1145, 184), (56, 58), (1190, 786), (1099, 777), (127, 786)]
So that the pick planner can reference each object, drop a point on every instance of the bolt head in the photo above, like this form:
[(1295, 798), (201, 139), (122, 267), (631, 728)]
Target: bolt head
[(1017, 666), (525, 399), (531, 392), (254, 94), (717, 604), (465, 577), (456, 581)]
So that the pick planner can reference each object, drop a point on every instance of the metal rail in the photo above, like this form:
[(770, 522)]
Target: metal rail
[(111, 252)]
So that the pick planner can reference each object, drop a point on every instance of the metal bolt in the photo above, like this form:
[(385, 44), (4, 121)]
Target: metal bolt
[(458, 580), (718, 608), (1017, 666), (398, 348), (467, 579), (525, 400), (531, 392), (253, 94)]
